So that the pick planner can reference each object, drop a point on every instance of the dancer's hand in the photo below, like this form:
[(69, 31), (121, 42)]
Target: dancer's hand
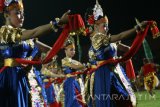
[(141, 26), (144, 24), (64, 19)]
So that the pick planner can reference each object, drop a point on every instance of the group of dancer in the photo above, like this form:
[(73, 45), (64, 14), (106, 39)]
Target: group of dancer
[(26, 85)]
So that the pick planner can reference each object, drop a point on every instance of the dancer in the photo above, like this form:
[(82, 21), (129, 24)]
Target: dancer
[(15, 42), (72, 90), (108, 80), (148, 72), (48, 71)]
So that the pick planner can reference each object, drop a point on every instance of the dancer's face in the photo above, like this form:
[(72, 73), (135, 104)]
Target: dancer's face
[(16, 18), (70, 52), (102, 27)]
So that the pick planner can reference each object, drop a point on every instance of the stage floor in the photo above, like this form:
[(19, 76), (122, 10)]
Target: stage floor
[(145, 100)]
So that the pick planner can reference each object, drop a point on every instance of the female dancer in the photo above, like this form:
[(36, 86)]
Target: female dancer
[(110, 85), (15, 43), (72, 90), (48, 71)]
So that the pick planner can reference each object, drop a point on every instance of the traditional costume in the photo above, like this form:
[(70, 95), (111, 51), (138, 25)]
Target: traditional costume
[(110, 84), (72, 89)]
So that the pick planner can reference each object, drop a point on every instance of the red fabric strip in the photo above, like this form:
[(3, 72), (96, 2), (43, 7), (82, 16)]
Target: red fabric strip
[(3, 68), (130, 70), (75, 23)]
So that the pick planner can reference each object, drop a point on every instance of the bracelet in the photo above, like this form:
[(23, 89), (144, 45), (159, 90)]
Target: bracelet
[(54, 24), (53, 27)]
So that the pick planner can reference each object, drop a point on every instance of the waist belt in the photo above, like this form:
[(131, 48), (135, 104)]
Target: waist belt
[(10, 62), (98, 64)]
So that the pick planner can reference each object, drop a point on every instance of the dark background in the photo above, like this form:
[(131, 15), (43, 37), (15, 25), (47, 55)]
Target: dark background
[(121, 14)]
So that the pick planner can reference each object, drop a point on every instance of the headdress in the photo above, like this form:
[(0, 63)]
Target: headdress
[(95, 16), (69, 43), (7, 5)]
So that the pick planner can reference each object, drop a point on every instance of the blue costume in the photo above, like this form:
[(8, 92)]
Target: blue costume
[(109, 85), (49, 88), (108, 79), (14, 87), (14, 90), (71, 85), (41, 84), (50, 92), (35, 53)]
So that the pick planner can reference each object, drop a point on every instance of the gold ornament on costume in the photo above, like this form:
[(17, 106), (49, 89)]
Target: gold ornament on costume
[(78, 32), (92, 55), (8, 34), (68, 61), (99, 39), (10, 62), (30, 42), (150, 81)]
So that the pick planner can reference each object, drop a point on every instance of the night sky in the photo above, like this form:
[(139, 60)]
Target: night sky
[(121, 14)]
